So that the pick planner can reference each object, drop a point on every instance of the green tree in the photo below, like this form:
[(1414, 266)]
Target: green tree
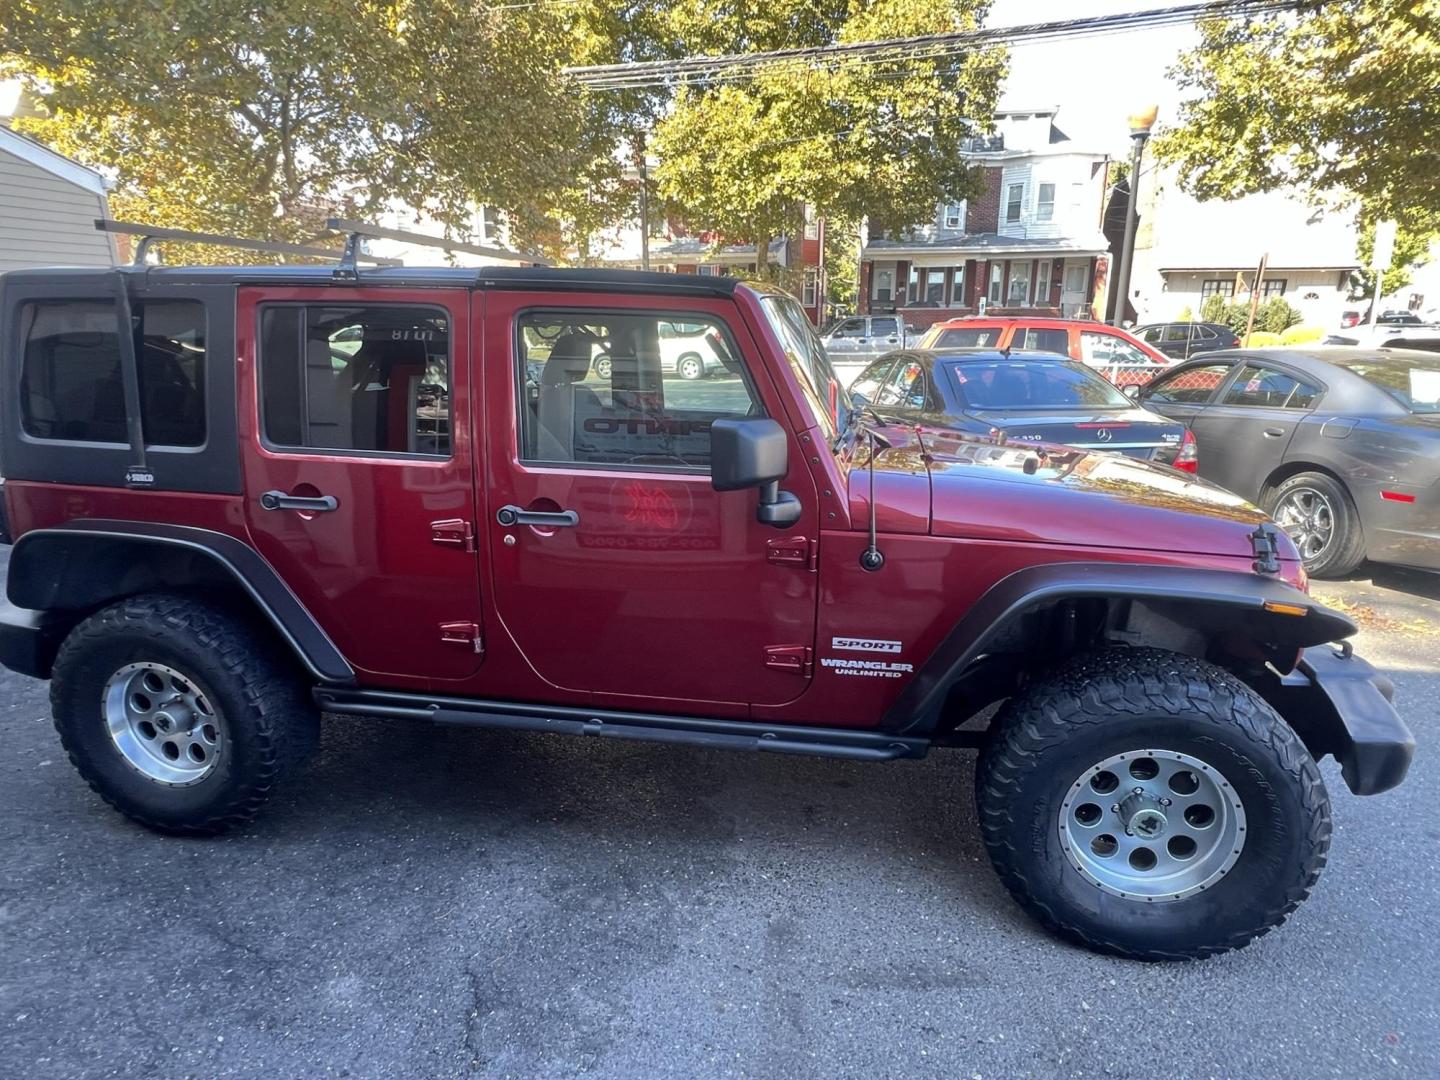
[(743, 156), (1341, 99), (263, 119)]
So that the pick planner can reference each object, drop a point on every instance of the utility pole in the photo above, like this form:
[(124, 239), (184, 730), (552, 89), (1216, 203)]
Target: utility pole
[(1140, 125), (644, 210), (1379, 259), (1255, 297)]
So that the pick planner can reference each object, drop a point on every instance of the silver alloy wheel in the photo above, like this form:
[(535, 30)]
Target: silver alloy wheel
[(1308, 516), (691, 368), (1152, 825), (603, 367), (162, 723)]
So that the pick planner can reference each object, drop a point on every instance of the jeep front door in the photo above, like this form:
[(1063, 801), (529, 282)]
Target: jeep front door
[(618, 570), (358, 463)]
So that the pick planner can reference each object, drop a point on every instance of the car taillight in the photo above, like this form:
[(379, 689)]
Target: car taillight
[(1188, 460)]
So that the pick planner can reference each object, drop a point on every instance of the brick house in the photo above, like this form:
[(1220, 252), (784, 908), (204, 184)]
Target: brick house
[(1031, 241)]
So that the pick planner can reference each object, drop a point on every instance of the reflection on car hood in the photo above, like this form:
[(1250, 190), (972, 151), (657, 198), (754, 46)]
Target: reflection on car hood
[(980, 488)]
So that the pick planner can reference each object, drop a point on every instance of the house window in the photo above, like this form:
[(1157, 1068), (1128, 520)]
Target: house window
[(370, 378), (884, 287), (706, 270), (809, 290), (1273, 287), (1045, 203), (1014, 197), (997, 282), (812, 224), (1019, 283), (957, 287), (935, 286), (1042, 282), (1217, 287), (914, 291), (955, 216), (489, 225)]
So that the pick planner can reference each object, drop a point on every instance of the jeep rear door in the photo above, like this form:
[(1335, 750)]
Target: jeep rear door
[(358, 468), (618, 571)]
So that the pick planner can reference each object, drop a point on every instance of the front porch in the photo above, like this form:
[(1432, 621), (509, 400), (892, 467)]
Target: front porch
[(935, 286)]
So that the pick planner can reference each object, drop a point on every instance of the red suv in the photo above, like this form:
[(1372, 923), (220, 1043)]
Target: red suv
[(1123, 357), (244, 497)]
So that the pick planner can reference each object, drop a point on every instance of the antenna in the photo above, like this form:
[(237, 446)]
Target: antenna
[(872, 558)]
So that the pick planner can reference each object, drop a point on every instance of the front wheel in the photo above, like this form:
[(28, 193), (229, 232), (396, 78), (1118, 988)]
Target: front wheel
[(691, 367), (1150, 805)]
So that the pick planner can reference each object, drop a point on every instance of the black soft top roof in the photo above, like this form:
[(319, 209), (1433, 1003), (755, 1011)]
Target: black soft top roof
[(451, 277)]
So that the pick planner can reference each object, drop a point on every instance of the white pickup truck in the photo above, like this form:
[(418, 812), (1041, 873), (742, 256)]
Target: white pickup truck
[(853, 341)]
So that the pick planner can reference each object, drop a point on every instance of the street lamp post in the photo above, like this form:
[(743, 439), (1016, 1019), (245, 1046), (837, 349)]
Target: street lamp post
[(1140, 125)]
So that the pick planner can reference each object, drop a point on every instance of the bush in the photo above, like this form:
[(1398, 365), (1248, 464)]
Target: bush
[(1186, 315), (1275, 315), (1260, 339), (1302, 335), (1213, 309)]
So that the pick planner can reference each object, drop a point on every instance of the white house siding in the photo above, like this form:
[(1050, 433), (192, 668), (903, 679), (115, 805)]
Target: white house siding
[(46, 220)]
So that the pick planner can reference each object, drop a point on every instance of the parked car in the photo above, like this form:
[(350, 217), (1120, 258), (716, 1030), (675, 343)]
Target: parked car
[(1385, 318), (1417, 335), (1182, 340), (1029, 397), (690, 350), (1125, 359), (745, 564), (853, 341), (1340, 446)]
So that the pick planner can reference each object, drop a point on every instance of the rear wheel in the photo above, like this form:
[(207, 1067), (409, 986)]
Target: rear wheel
[(603, 367), (1150, 805), (179, 714), (691, 367), (1318, 513)]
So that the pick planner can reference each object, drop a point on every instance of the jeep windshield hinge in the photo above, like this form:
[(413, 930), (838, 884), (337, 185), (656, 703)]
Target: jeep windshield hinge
[(1267, 550), (453, 532), (793, 551), (797, 659)]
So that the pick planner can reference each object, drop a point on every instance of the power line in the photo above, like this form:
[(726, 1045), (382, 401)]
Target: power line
[(734, 67)]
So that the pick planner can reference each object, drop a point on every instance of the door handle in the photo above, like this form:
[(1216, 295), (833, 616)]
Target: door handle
[(556, 519), (1274, 432), (278, 500)]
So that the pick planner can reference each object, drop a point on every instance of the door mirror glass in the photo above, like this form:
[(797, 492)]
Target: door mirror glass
[(1132, 391)]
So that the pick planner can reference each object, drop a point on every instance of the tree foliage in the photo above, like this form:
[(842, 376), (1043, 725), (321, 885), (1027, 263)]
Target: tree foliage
[(853, 139), (263, 119), (1341, 99)]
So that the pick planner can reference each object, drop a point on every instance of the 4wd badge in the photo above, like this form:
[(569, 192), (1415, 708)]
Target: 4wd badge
[(860, 644)]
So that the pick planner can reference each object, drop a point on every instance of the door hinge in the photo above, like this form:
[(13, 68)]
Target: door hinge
[(793, 551), (462, 633), (454, 532), (797, 659)]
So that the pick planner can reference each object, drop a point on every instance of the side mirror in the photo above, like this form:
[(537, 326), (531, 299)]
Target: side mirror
[(754, 454), (1132, 391), (858, 400)]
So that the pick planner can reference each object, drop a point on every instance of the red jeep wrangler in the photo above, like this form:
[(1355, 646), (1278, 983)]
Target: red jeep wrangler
[(240, 498)]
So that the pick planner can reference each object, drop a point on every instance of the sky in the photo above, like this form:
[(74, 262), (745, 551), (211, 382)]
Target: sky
[(1098, 80)]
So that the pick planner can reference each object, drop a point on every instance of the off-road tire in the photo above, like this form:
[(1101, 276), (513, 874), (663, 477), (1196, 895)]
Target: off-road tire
[(270, 726), (1346, 549), (1125, 700)]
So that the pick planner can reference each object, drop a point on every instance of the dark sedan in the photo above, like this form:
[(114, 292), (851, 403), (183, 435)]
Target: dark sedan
[(1340, 446), (1029, 397), (1182, 340)]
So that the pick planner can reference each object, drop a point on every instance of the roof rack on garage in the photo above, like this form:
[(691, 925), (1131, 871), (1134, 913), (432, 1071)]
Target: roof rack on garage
[(148, 234)]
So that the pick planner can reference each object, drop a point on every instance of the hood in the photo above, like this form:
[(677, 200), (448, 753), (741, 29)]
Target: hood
[(978, 489)]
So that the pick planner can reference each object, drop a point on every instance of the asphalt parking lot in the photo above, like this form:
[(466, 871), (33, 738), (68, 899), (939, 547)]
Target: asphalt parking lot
[(446, 903)]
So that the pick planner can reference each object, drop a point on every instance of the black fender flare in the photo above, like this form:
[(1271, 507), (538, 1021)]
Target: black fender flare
[(69, 568), (1221, 600)]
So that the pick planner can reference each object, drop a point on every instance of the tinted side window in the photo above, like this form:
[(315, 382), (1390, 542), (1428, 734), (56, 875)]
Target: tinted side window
[(1177, 332), (906, 386), (1152, 335), (71, 387), (602, 388), (374, 377), (70, 382), (1192, 387), (1056, 341), (1259, 387), (884, 327), (851, 328), (868, 381)]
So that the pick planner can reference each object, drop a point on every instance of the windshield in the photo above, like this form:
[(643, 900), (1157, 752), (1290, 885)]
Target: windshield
[(966, 337), (808, 361), (1032, 384), (1414, 381)]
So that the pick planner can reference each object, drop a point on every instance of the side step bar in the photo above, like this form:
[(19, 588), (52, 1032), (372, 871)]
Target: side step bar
[(649, 727)]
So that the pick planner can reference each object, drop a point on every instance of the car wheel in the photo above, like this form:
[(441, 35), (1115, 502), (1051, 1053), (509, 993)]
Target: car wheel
[(1150, 805), (1318, 513), (691, 367), (602, 368), (179, 714)]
